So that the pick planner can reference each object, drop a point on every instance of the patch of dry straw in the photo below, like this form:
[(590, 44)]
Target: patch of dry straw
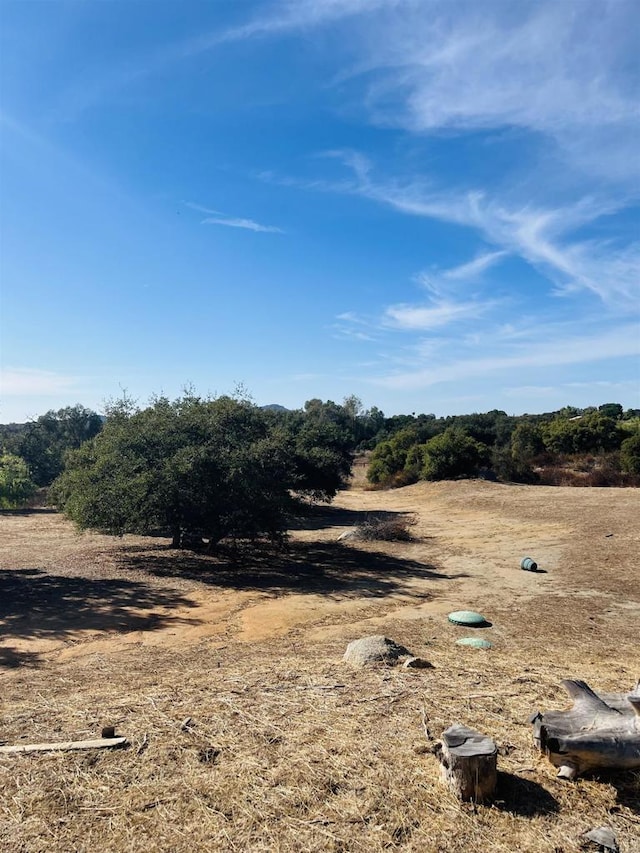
[(281, 747)]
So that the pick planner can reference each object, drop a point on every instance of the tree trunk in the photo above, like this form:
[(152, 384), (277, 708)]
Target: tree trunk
[(469, 763), (599, 731)]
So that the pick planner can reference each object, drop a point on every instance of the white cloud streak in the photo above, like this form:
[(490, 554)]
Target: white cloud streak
[(567, 71), (619, 342), (23, 381), (247, 224), (436, 315), (217, 217), (202, 209), (278, 19), (439, 282), (282, 18), (538, 235)]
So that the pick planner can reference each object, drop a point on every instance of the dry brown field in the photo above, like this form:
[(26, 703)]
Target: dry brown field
[(247, 731)]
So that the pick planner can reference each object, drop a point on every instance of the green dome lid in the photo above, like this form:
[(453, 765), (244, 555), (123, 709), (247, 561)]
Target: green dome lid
[(467, 617), (476, 642)]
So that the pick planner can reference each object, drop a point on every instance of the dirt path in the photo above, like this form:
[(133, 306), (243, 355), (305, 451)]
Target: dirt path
[(476, 533), (87, 594)]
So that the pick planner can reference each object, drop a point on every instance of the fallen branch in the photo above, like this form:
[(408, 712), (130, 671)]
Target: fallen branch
[(64, 746)]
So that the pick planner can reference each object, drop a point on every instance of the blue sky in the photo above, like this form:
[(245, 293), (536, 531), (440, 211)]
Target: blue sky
[(432, 204)]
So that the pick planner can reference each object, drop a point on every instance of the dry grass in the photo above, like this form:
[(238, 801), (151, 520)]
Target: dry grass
[(398, 529), (285, 748), (286, 751)]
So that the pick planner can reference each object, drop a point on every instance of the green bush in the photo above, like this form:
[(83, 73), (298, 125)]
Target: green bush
[(451, 455), (390, 456), (588, 433), (630, 454), (526, 443), (510, 468), (16, 487)]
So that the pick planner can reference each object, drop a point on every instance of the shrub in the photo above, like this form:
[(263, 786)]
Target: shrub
[(16, 487), (588, 433), (526, 443), (451, 455), (511, 469), (390, 456), (630, 454)]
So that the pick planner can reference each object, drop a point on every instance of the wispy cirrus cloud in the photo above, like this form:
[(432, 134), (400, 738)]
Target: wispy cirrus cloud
[(437, 314), (286, 16), (566, 71), (442, 281), (560, 391), (272, 20), (540, 236), (19, 381), (247, 224), (443, 308), (469, 270), (217, 217), (619, 342), (201, 209), (543, 237)]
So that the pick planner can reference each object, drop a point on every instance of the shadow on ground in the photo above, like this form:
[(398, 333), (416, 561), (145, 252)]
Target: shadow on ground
[(32, 510), (524, 797), (627, 785), (12, 658), (37, 605), (329, 568)]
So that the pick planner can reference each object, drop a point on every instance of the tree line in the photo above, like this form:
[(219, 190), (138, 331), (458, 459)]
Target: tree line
[(603, 444), (204, 470)]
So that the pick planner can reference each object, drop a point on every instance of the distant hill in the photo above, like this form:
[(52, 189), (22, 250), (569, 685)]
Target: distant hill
[(275, 407)]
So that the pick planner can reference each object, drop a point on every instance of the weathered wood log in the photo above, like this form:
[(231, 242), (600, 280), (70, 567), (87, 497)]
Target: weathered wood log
[(469, 763), (98, 743), (598, 732)]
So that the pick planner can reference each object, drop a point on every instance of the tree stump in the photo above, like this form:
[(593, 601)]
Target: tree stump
[(468, 763), (599, 731)]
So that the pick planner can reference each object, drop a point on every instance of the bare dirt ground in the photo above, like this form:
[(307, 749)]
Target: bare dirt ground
[(287, 749)]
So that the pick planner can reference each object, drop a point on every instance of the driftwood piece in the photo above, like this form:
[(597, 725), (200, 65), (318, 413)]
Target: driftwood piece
[(598, 732), (468, 763), (98, 743)]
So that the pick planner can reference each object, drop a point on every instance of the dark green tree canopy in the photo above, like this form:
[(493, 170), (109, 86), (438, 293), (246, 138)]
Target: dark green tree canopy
[(200, 468), (587, 433), (44, 443), (452, 454), (630, 454)]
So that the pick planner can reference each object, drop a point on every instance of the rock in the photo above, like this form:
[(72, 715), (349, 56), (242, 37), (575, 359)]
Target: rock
[(602, 837), (417, 663), (474, 642), (375, 649)]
